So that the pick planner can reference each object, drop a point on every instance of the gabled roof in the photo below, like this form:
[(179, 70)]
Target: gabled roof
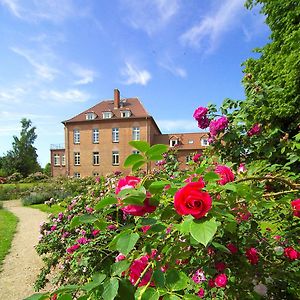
[(132, 104)]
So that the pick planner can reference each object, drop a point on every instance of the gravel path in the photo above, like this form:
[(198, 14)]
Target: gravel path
[(21, 266)]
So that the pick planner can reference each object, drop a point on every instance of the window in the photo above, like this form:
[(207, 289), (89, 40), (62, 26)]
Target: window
[(76, 175), (63, 160), (96, 158), (77, 158), (95, 135), (125, 114), (173, 143), (115, 135), (136, 133), (56, 159), (95, 174), (191, 142), (76, 135), (115, 158), (204, 142), (135, 152), (90, 116), (107, 115)]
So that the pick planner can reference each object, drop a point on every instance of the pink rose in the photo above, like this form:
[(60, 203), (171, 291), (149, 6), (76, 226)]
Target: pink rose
[(200, 116), (218, 125), (82, 240), (254, 130), (137, 268), (291, 253), (95, 232), (201, 293), (199, 276), (252, 255), (241, 169), (232, 248), (120, 257), (221, 280), (225, 174), (197, 157), (211, 283), (73, 248), (191, 200), (296, 207), (145, 228)]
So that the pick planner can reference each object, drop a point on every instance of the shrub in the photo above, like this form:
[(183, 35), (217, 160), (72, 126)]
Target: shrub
[(15, 177), (38, 176), (35, 198)]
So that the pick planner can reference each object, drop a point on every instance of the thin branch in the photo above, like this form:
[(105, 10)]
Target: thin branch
[(280, 193), (142, 274)]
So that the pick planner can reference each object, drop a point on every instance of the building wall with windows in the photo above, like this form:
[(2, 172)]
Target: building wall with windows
[(96, 141)]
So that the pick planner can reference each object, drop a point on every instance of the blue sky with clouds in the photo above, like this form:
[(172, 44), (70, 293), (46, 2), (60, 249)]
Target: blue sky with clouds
[(60, 57)]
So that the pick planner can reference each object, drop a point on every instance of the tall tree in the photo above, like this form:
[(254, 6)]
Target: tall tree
[(23, 157)]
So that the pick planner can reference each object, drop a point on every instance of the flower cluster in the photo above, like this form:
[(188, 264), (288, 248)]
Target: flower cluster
[(200, 115), (254, 130), (217, 126)]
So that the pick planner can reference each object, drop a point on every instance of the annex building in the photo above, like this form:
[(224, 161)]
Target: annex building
[(96, 140)]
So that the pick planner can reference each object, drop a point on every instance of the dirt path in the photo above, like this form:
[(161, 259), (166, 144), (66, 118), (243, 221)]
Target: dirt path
[(21, 266)]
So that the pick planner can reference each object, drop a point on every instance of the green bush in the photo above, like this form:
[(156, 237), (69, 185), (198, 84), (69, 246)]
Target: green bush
[(38, 176), (35, 198)]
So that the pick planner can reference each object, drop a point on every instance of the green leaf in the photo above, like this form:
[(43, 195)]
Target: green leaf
[(126, 290), (132, 159), (211, 176), (190, 297), (176, 281), (230, 187), (135, 197), (171, 297), (65, 297), (150, 294), (68, 288), (157, 150), (97, 280), (84, 219), (140, 145), (137, 165), (110, 289), (157, 186), (126, 242), (38, 296), (155, 157), (220, 247), (105, 202), (159, 278), (119, 267), (148, 221), (157, 228), (203, 231)]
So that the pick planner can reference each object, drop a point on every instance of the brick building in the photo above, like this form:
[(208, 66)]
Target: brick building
[(96, 140)]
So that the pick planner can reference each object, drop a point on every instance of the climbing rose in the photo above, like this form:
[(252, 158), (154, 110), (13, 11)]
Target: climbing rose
[(220, 266), (191, 200), (296, 207), (95, 232), (232, 248), (225, 174), (221, 280), (252, 255), (137, 268), (254, 130), (291, 253), (241, 168), (200, 116), (201, 293), (120, 257), (83, 240), (199, 276), (129, 182), (211, 283), (145, 228), (217, 126), (73, 248), (196, 157)]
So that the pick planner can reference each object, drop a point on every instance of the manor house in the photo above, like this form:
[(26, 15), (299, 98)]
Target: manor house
[(96, 140)]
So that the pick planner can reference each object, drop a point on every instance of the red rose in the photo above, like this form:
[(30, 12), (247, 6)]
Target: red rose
[(232, 248), (136, 269), (130, 182), (211, 283), (252, 255), (191, 200), (225, 174), (220, 266), (221, 280), (296, 207), (291, 253)]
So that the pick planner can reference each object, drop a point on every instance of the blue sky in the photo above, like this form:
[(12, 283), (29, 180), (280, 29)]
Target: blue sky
[(60, 57)]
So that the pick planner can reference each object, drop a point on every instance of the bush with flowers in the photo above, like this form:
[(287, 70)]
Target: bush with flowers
[(217, 231)]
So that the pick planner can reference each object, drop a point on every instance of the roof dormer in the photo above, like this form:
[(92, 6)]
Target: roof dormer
[(90, 115)]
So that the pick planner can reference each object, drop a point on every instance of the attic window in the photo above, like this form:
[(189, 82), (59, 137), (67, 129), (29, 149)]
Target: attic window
[(90, 116), (107, 115), (191, 142), (204, 142), (125, 114), (173, 142)]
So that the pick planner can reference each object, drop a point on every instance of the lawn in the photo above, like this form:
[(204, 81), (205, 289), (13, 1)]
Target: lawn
[(8, 224), (54, 209)]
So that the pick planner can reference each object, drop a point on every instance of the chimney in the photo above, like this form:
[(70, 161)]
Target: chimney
[(116, 98)]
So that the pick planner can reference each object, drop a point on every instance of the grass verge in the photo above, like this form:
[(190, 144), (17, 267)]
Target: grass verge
[(8, 224), (54, 209)]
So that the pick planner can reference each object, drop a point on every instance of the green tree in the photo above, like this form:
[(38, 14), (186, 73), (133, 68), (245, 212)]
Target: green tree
[(23, 157), (47, 169)]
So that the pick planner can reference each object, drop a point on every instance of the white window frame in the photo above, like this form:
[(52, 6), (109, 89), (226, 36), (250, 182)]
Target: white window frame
[(136, 136), (76, 158), (107, 115), (63, 160), (76, 136), (76, 175), (188, 158), (173, 142), (191, 141), (96, 158), (90, 116), (115, 158), (96, 174), (125, 114), (95, 134), (56, 159), (115, 135), (204, 142)]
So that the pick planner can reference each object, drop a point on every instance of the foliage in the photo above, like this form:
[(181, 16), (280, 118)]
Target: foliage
[(47, 170), (53, 209), (15, 177), (37, 176), (8, 224), (23, 157), (239, 246)]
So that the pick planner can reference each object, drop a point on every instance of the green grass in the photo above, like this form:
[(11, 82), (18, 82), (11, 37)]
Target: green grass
[(8, 224), (54, 209)]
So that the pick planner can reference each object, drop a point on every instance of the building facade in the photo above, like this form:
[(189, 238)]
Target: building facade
[(96, 140)]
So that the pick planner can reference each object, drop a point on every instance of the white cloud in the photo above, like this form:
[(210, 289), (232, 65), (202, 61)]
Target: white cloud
[(9, 130), (69, 96), (16, 116), (168, 64), (133, 75), (150, 15), (208, 32), (177, 125), (12, 95), (85, 75), (42, 70), (50, 10)]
